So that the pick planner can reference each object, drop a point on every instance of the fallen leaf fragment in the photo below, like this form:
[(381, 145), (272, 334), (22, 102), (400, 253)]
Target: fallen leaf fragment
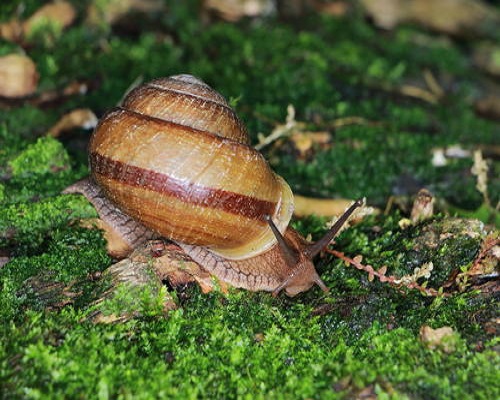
[(455, 17), (443, 338), (112, 11), (116, 246), (304, 141), (281, 130), (487, 262), (492, 327), (18, 76), (60, 13), (305, 206), (234, 10), (423, 206), (79, 118)]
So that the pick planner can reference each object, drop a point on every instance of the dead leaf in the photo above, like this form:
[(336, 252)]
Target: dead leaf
[(61, 13), (487, 261), (423, 206), (303, 142), (454, 17), (234, 10), (18, 76), (113, 11), (116, 246), (443, 338), (492, 327), (79, 118), (305, 206)]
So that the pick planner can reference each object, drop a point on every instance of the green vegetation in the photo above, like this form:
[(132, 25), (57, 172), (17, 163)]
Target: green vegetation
[(361, 336)]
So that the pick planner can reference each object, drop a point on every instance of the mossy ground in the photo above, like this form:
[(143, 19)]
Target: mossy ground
[(362, 336)]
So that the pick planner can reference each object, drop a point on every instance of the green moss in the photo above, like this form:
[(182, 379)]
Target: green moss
[(32, 281), (126, 301), (28, 224), (180, 354), (46, 155), (450, 244), (20, 125), (361, 336)]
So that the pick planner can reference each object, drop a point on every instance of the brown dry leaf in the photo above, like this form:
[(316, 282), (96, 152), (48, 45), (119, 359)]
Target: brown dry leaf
[(51, 96), (367, 393), (12, 30), (234, 10), (487, 261), (305, 206), (423, 206), (304, 142), (419, 93), (112, 11), (492, 327), (61, 13), (18, 76), (287, 129), (455, 17), (443, 338), (116, 246), (79, 118)]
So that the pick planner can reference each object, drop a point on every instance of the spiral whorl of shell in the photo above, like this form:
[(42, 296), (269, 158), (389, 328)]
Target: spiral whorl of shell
[(176, 158)]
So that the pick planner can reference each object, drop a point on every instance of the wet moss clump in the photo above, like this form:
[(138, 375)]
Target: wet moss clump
[(208, 342)]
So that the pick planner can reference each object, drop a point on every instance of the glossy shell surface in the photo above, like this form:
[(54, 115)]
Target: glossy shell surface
[(176, 158)]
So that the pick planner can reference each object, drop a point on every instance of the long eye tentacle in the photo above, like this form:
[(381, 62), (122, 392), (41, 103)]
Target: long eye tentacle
[(314, 249), (289, 254)]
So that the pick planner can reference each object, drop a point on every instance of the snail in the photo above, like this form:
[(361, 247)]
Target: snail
[(175, 160)]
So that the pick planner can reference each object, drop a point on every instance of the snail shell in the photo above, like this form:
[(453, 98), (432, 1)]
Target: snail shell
[(175, 157)]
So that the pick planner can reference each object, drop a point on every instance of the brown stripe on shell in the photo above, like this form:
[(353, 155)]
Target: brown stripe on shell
[(230, 202), (189, 84), (190, 103)]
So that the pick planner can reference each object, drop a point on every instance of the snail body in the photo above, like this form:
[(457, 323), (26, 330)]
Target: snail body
[(176, 159)]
